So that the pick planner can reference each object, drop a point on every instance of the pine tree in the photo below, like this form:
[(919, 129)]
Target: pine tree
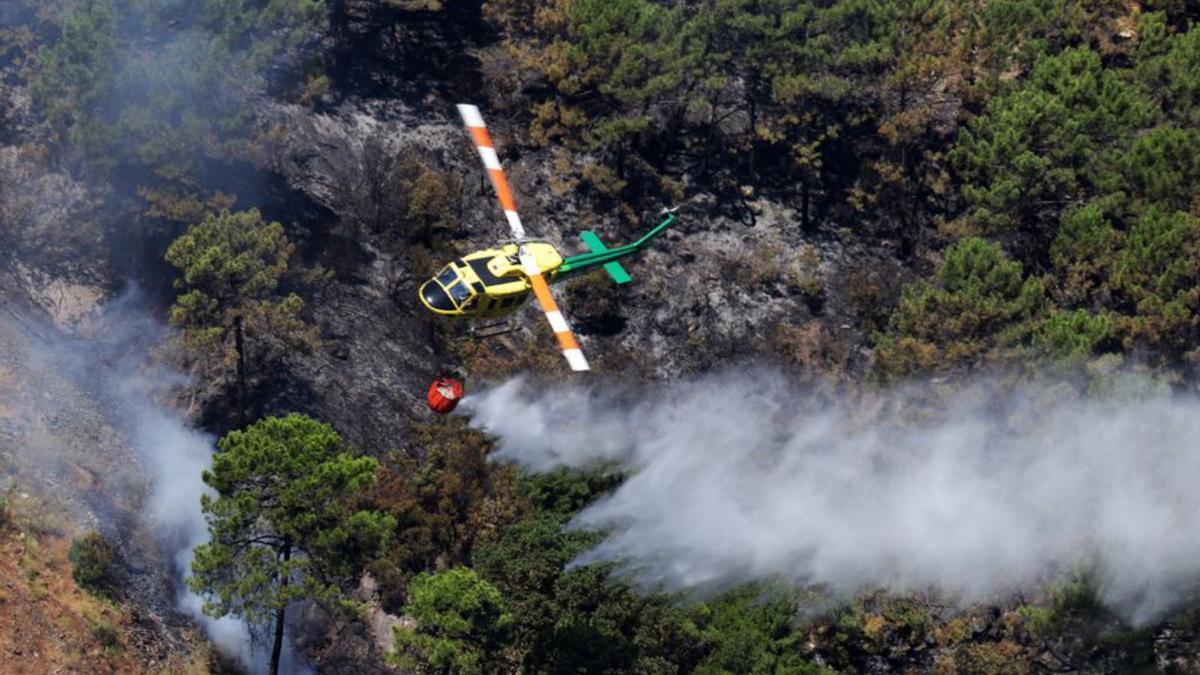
[(980, 302), (462, 624), (234, 267), (283, 523)]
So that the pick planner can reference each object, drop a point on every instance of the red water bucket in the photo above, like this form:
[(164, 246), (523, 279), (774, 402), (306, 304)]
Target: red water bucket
[(444, 394)]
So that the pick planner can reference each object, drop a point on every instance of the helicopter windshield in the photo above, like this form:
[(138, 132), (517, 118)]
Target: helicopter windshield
[(460, 292), (447, 276)]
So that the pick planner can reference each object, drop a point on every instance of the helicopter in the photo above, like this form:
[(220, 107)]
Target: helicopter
[(496, 282)]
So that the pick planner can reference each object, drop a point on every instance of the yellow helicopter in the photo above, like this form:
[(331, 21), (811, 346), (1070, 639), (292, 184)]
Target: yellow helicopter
[(496, 282)]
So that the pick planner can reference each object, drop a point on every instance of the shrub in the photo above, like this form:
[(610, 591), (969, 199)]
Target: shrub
[(990, 658), (1084, 249), (108, 635), (1158, 272), (1057, 134), (1072, 604), (94, 560), (1071, 337)]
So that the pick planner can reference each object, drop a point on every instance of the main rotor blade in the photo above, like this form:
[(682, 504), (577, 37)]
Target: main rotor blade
[(487, 152), (473, 120), (562, 331)]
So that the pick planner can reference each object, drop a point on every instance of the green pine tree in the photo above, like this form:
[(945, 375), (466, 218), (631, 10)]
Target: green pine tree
[(462, 624), (234, 275), (283, 523), (980, 303)]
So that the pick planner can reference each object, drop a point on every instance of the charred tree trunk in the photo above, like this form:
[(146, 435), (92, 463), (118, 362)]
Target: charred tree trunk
[(277, 645), (805, 201)]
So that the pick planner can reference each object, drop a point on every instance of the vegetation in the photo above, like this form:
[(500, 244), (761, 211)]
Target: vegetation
[(1057, 127), (237, 306), (94, 561), (980, 303), (1073, 611), (1078, 167), (461, 624), (1029, 166), (151, 84), (284, 523), (639, 85), (444, 505), (504, 598), (1070, 604), (106, 634), (85, 630)]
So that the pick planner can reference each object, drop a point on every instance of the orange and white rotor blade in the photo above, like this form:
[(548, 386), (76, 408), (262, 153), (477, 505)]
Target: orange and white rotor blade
[(491, 161), (562, 331), (541, 290)]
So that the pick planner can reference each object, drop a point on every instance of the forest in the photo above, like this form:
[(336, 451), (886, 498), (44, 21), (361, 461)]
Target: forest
[(950, 189)]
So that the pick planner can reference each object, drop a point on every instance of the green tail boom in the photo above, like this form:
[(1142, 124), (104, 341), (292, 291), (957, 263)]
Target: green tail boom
[(602, 256)]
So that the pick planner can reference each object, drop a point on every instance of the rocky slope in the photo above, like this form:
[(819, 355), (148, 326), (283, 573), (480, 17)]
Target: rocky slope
[(734, 281), (70, 468), (718, 287)]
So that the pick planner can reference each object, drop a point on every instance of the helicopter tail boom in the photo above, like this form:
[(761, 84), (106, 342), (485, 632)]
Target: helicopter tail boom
[(602, 256)]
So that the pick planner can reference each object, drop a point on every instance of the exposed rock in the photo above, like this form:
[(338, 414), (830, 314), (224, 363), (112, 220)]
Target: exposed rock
[(379, 622), (369, 377), (50, 222), (1175, 650), (712, 290), (66, 449), (322, 154), (64, 301), (727, 283)]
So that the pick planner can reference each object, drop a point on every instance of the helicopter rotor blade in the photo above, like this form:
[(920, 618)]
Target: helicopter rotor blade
[(558, 323), (473, 120)]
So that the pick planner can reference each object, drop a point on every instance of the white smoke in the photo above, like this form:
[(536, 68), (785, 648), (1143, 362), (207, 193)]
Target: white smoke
[(174, 456), (742, 475), (118, 354)]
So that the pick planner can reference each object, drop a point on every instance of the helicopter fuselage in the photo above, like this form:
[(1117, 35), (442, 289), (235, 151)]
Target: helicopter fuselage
[(489, 283)]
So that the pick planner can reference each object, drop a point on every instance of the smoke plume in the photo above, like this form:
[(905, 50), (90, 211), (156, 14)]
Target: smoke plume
[(113, 357), (737, 476)]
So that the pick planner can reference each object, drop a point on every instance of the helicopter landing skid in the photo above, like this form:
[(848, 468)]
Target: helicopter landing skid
[(489, 330)]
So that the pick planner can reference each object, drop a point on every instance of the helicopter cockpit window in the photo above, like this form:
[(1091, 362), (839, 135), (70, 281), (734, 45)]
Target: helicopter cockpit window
[(447, 276), (461, 293)]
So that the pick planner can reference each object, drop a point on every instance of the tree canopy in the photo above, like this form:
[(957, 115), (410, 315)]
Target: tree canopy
[(1024, 171), (238, 303), (285, 522), (461, 624)]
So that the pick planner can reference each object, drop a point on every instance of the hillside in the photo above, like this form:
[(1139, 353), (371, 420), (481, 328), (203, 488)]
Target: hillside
[(927, 252), (49, 624)]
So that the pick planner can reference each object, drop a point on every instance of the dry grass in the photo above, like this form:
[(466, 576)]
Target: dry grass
[(813, 348), (47, 623)]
